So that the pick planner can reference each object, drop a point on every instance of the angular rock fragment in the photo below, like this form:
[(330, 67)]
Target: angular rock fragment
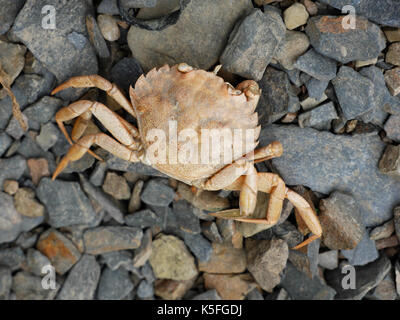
[(390, 161), (316, 65), (292, 47), (114, 284), (319, 117)]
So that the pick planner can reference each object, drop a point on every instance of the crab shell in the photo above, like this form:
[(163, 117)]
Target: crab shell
[(195, 100)]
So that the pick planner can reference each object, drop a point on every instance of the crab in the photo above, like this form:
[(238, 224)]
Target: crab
[(194, 99)]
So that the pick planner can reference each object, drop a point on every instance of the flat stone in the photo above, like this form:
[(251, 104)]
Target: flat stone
[(96, 38), (341, 221), (157, 193), (108, 7), (316, 65), (38, 168), (48, 136), (392, 128), (295, 16), (354, 102), (198, 245), (363, 63), (392, 34), (176, 43), (383, 231), (12, 59), (331, 162), (384, 13), (59, 55), (329, 38), (266, 259), (316, 88), (252, 44), (392, 78), (14, 129), (170, 259), (10, 219), (172, 289), (293, 46), (389, 163), (255, 294), (397, 221), (98, 174), (210, 231), (114, 284), (10, 187), (207, 295), (105, 239), (145, 290), (143, 219), (329, 259), (224, 259), (277, 96), (365, 252), (29, 287), (65, 202), (5, 283), (182, 219), (310, 103), (301, 287), (393, 54), (368, 277), (319, 117), (42, 111), (26, 205), (36, 261), (82, 281), (8, 12), (116, 186), (118, 164), (12, 257), (126, 72), (229, 287), (143, 253), (59, 250), (135, 202), (5, 142), (287, 232), (385, 290), (117, 259)]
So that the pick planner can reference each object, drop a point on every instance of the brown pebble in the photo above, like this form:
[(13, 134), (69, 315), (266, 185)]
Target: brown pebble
[(387, 243), (393, 54), (116, 186), (172, 289), (25, 203), (38, 169), (392, 78), (135, 202), (108, 27), (230, 287), (10, 186)]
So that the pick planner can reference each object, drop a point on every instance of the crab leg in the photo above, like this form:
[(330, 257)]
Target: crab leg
[(98, 82), (102, 140)]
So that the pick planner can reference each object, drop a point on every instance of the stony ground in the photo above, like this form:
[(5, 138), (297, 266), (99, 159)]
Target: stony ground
[(117, 230)]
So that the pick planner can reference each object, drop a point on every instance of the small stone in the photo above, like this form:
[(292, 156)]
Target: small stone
[(65, 202), (383, 231), (392, 78), (59, 250), (365, 252), (8, 12), (117, 259), (255, 294), (266, 259), (208, 295), (316, 88), (48, 136), (224, 259), (300, 286), (105, 239), (354, 102), (341, 221), (116, 186), (82, 281), (392, 128), (229, 287), (135, 202), (5, 283), (210, 231), (143, 219), (36, 261), (145, 290), (363, 63), (295, 16), (229, 232), (10, 186), (392, 34), (12, 59), (289, 233), (316, 65), (108, 27), (10, 219), (96, 38), (108, 7), (125, 72), (318, 117), (25, 203), (310, 103), (157, 193), (389, 243), (172, 289), (13, 258), (252, 44), (29, 287), (143, 253), (390, 161), (328, 36), (14, 129), (368, 277), (397, 221), (198, 245), (114, 284), (42, 111), (329, 259), (38, 168), (5, 143), (311, 7), (182, 219), (98, 174), (139, 3), (386, 289), (170, 259)]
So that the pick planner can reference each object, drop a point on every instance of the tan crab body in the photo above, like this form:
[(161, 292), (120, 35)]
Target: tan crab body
[(196, 101)]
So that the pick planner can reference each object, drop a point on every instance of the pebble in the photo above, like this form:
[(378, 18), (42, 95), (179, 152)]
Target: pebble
[(289, 233), (157, 193), (392, 128), (61, 252), (171, 259), (392, 34), (310, 103), (14, 129), (10, 219), (363, 63), (117, 259), (82, 281), (392, 78), (266, 260), (295, 44), (42, 111), (5, 283), (397, 221), (10, 187), (341, 221), (114, 284), (12, 59), (29, 287), (38, 168), (207, 295), (96, 38), (108, 27), (143, 253), (329, 38), (210, 231), (389, 163), (36, 261), (105, 239), (145, 290), (198, 245), (12, 257), (48, 136), (5, 143), (8, 12), (176, 42), (368, 277), (98, 174), (182, 219), (26, 205), (252, 44), (108, 7), (318, 118), (172, 289), (118, 164), (126, 72), (383, 231), (385, 290), (229, 287), (143, 219), (224, 259), (135, 202), (295, 16), (316, 65), (365, 252), (329, 259), (316, 88), (116, 186)]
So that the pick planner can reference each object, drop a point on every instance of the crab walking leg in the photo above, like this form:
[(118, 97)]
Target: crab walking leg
[(273, 150), (98, 82), (102, 140)]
